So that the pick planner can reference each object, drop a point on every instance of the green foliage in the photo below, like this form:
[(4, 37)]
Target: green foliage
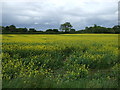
[(66, 27), (116, 28), (52, 31), (32, 30), (99, 29)]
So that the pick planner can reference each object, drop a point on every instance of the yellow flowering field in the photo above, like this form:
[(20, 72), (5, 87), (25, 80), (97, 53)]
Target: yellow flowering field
[(60, 60)]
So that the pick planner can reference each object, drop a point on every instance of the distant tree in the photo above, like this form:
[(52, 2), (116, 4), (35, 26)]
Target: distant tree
[(116, 28), (25, 30), (40, 31), (95, 25), (12, 28), (49, 30), (110, 30), (55, 30), (32, 30), (66, 27), (86, 28), (52, 31), (6, 29), (72, 31), (22, 30), (97, 29)]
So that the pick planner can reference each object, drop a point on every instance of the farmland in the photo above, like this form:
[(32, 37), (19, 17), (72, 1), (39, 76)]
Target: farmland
[(60, 61)]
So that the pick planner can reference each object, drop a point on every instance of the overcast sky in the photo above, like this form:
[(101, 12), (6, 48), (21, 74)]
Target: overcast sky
[(45, 14)]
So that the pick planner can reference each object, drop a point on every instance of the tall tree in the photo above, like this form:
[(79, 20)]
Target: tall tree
[(66, 27)]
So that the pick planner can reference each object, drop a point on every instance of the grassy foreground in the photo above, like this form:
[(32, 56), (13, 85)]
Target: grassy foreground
[(60, 61)]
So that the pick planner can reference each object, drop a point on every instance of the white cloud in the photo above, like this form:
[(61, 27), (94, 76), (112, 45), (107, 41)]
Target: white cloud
[(36, 23), (51, 13)]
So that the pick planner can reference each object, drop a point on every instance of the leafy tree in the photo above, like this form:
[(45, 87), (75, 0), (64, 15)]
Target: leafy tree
[(66, 27), (25, 30), (49, 30), (32, 30), (22, 29), (72, 31), (95, 25), (116, 28), (86, 28), (52, 31), (97, 29), (55, 30), (12, 28), (6, 29)]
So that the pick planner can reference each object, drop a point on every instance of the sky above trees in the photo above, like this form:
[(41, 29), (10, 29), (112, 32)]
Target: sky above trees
[(45, 14)]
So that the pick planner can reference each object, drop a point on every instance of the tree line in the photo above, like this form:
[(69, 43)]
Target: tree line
[(64, 28)]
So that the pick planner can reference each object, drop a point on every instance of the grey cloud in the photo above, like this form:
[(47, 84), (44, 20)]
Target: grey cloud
[(48, 14)]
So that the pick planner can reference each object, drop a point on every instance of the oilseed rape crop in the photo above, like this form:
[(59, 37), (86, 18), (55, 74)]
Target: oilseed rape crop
[(60, 61)]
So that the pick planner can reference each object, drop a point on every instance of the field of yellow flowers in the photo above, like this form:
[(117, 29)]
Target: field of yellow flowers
[(60, 61)]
